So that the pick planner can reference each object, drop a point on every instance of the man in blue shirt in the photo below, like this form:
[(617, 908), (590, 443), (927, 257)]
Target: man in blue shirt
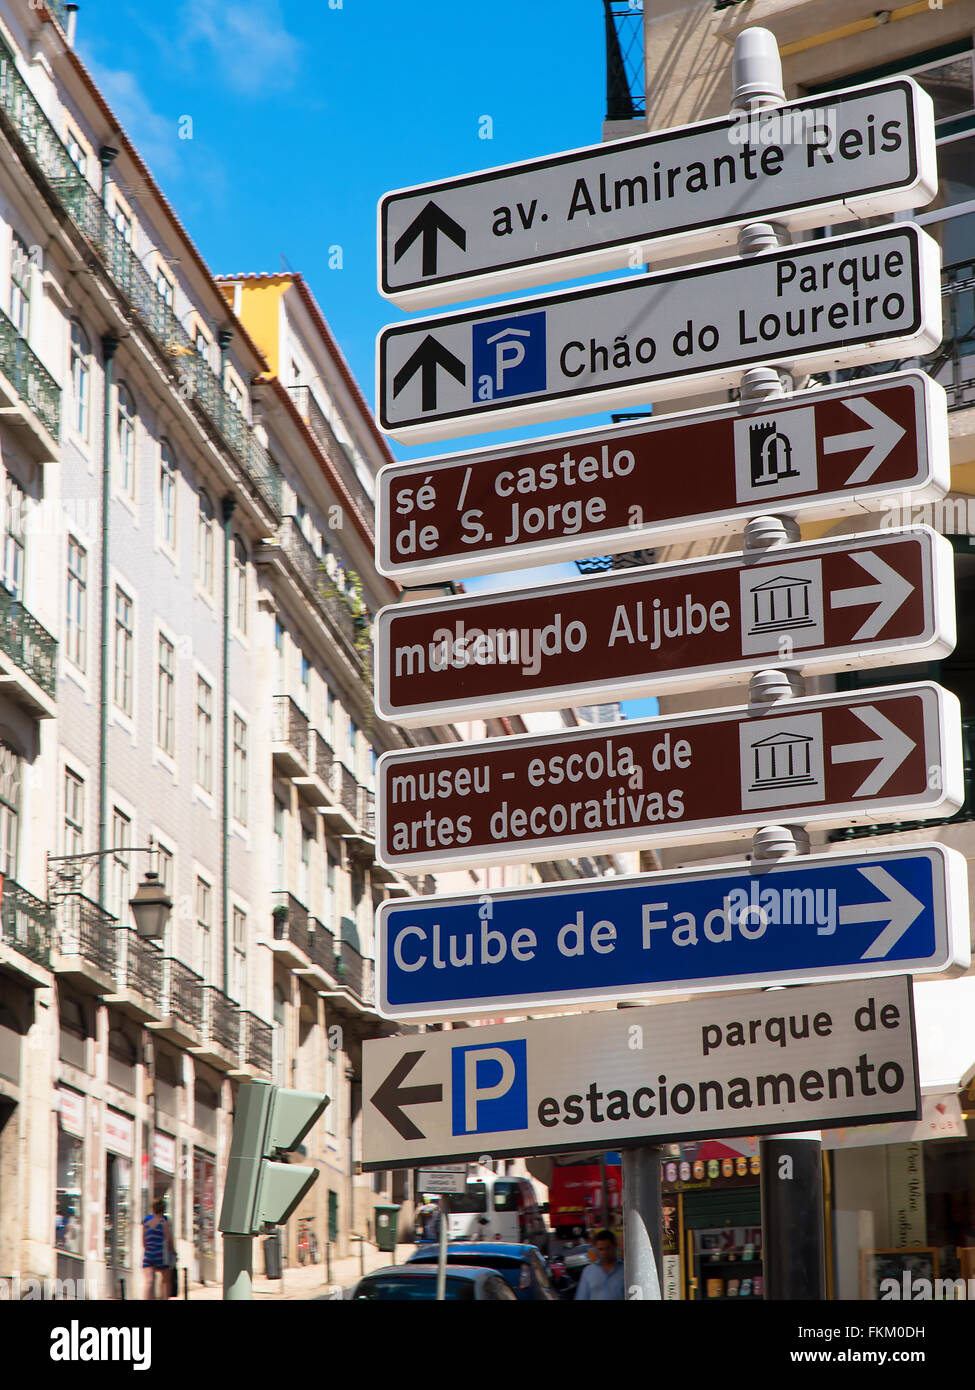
[(604, 1278)]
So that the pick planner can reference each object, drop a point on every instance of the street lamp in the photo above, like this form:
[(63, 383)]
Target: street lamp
[(151, 907)]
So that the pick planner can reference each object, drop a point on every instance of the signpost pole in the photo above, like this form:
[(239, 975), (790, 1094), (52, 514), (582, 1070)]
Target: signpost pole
[(442, 1250), (642, 1222)]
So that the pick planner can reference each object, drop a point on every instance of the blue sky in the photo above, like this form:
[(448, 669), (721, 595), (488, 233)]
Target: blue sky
[(303, 115)]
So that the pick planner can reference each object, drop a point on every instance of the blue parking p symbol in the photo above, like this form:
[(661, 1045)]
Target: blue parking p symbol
[(489, 1087), (509, 356)]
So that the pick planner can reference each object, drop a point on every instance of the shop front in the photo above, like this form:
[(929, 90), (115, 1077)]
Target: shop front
[(712, 1238), (119, 1132), (205, 1214), (69, 1232)]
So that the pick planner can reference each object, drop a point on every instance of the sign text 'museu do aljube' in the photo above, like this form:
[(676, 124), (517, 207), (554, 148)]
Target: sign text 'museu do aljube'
[(849, 154)]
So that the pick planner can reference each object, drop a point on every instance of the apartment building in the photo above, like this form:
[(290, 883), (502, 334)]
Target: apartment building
[(827, 45)]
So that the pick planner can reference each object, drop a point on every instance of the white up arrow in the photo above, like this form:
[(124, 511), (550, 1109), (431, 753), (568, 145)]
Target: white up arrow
[(897, 909), (881, 436), (890, 747), (889, 592)]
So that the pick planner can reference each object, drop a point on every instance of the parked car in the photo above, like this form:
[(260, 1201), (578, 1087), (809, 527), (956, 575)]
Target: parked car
[(417, 1283), (522, 1266), (494, 1208)]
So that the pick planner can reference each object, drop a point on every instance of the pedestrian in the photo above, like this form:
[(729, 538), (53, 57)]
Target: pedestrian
[(603, 1279), (159, 1251)]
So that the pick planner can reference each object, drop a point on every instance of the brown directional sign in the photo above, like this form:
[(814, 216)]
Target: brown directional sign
[(821, 760), (817, 454), (824, 606)]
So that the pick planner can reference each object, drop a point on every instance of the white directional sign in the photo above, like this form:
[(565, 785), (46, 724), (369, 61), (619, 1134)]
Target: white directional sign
[(853, 601), (830, 916), (447, 1178), (819, 1056), (820, 305), (815, 455), (826, 159), (857, 756)]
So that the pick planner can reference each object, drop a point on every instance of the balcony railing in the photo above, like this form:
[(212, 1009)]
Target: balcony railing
[(953, 363), (291, 921), (323, 759), (30, 378), (333, 449), (346, 790), (182, 993), (290, 725), (85, 930), (197, 380), (322, 947), (25, 923), (255, 1042), (221, 1019), (367, 812), (140, 964), (314, 578), (29, 646), (965, 812), (350, 968)]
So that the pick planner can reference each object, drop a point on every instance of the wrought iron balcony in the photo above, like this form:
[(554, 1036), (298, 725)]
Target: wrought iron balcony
[(28, 376), (334, 450), (255, 1043), (25, 923), (323, 947), (323, 760), (624, 61), (221, 1021), (86, 937), (30, 129), (314, 579), (350, 968), (289, 737), (140, 966), (182, 997), (291, 928), (31, 649)]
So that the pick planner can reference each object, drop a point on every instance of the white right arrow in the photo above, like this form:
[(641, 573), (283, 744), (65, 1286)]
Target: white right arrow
[(898, 909), (881, 436), (890, 747), (889, 592)]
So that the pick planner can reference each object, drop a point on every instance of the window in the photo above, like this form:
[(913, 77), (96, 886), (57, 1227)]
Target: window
[(330, 715), (123, 221), (201, 342), (240, 585), (239, 977), (123, 651), (9, 809), (278, 823), (14, 507), (74, 813), (235, 396), (119, 885), (76, 622), (77, 153), (204, 900), (204, 543), (240, 770), (164, 286), (204, 734), (167, 495), (305, 677), (80, 377), (164, 868), (304, 886), (166, 696), (353, 744), (125, 440), (20, 285)]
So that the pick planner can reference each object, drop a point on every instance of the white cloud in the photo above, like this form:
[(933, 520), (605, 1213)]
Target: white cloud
[(250, 42)]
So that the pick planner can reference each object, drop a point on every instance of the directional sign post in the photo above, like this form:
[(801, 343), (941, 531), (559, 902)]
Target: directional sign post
[(832, 916), (820, 1055), (815, 455), (820, 305), (868, 600), (827, 159), (820, 760)]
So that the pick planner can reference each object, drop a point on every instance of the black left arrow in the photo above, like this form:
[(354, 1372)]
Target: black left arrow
[(392, 1095), (428, 357), (428, 225)]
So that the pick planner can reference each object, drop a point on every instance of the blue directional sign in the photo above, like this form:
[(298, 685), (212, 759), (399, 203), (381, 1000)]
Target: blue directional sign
[(826, 917)]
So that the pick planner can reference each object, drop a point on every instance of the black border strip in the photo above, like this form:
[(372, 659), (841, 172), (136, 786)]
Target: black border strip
[(651, 142)]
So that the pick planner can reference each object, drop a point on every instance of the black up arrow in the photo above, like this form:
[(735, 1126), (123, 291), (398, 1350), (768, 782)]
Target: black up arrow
[(428, 224), (392, 1096), (428, 357)]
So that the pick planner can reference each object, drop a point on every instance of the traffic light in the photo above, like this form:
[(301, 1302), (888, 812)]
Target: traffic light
[(259, 1189)]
